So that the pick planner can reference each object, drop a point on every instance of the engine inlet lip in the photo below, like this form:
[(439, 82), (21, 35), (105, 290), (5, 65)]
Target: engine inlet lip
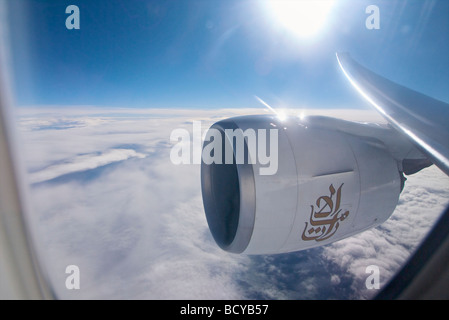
[(241, 236)]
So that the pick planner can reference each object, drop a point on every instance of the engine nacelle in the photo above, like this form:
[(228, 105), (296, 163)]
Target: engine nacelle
[(327, 185)]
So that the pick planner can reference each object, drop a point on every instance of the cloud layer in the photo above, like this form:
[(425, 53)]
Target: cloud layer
[(106, 198), (82, 163)]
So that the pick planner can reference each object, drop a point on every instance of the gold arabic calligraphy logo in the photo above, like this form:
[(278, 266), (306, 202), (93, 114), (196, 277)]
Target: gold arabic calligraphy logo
[(325, 218)]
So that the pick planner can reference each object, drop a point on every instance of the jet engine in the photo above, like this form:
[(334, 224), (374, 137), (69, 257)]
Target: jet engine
[(273, 186)]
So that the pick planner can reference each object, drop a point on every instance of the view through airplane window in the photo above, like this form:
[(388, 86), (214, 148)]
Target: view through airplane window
[(113, 99)]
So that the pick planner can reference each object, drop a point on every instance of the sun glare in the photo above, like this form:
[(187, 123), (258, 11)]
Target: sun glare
[(305, 18)]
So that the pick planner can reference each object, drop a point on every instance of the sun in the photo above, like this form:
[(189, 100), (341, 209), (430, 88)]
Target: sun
[(304, 18)]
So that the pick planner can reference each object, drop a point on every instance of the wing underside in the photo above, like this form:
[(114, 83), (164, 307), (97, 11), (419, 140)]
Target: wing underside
[(422, 119)]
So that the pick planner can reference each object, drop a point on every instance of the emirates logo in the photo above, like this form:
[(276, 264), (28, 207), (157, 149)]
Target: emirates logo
[(325, 216)]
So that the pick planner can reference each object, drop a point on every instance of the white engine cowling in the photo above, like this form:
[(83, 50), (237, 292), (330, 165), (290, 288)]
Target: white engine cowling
[(328, 185)]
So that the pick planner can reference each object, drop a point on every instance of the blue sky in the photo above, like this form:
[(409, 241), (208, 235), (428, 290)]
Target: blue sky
[(218, 53)]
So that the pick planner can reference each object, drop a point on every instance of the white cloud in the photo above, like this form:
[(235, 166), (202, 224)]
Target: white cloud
[(82, 163), (388, 246), (137, 229)]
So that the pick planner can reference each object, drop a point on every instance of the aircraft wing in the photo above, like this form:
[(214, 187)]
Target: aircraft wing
[(422, 119)]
